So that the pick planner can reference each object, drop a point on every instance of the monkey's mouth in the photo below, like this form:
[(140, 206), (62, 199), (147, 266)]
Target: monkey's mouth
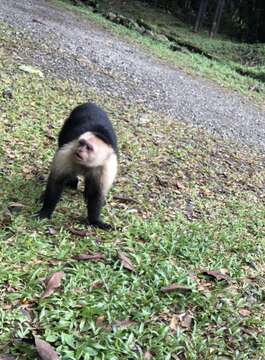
[(78, 157)]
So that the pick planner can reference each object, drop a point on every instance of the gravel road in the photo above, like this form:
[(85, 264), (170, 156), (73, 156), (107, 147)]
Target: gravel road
[(85, 52)]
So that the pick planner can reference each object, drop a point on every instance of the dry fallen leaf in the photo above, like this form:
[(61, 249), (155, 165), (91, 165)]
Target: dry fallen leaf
[(102, 323), (31, 70), (49, 134), (15, 207), (160, 181), (8, 288), (7, 357), (54, 262), (45, 350), (101, 320), (53, 282), (124, 199), (52, 231), (177, 288), (173, 323), (5, 219), (97, 285), (244, 312), (186, 320), (216, 275), (179, 185), (82, 233), (148, 355), (124, 323), (90, 257), (6, 307), (183, 321), (125, 261)]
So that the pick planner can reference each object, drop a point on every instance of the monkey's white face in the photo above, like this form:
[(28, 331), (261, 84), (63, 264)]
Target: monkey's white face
[(91, 151)]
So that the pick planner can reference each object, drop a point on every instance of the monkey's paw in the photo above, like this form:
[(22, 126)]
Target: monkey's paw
[(41, 215), (100, 225)]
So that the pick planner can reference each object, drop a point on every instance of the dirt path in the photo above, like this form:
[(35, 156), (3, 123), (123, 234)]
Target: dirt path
[(80, 50)]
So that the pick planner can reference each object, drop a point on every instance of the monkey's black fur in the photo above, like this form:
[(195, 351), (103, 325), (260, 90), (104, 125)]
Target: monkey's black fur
[(84, 118), (88, 117)]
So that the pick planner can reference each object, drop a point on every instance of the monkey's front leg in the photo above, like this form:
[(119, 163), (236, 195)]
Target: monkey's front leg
[(94, 201), (51, 197)]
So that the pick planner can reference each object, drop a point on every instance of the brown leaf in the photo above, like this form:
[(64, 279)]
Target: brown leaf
[(124, 199), (15, 207), (160, 181), (189, 211), (176, 287), (179, 185), (125, 261), (45, 350), (49, 134), (124, 323), (37, 261), (6, 307), (52, 231), (97, 285), (173, 323), (54, 262), (102, 323), (7, 357), (8, 288), (186, 320), (90, 257), (244, 312), (5, 219), (82, 233), (53, 282), (148, 355), (216, 275)]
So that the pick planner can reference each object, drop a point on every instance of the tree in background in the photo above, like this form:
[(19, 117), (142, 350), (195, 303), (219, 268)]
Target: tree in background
[(217, 17), (242, 19)]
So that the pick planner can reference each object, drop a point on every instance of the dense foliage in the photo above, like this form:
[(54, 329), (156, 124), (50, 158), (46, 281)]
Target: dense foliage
[(241, 19)]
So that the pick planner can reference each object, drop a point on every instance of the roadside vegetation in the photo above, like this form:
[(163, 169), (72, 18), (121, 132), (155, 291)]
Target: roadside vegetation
[(231, 64), (181, 277)]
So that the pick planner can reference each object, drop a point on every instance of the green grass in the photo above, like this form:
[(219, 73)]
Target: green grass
[(199, 206), (235, 66)]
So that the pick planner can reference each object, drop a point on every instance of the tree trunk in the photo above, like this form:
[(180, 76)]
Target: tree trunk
[(217, 17), (201, 15)]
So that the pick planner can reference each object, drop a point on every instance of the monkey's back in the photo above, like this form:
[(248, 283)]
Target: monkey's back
[(88, 117)]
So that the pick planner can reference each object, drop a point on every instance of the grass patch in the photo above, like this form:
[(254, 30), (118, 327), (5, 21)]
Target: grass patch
[(198, 204), (235, 66)]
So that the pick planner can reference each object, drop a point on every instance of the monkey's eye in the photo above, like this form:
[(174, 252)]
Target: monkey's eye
[(82, 142)]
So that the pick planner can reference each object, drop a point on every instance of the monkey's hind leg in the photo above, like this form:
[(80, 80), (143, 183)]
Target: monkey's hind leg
[(94, 202)]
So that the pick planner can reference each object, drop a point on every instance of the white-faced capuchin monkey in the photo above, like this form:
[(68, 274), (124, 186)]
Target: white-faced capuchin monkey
[(87, 147)]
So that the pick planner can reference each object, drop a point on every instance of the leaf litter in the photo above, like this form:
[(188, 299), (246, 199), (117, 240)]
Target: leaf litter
[(205, 169), (45, 350), (176, 288), (90, 257), (125, 261), (216, 275), (7, 357), (53, 282)]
